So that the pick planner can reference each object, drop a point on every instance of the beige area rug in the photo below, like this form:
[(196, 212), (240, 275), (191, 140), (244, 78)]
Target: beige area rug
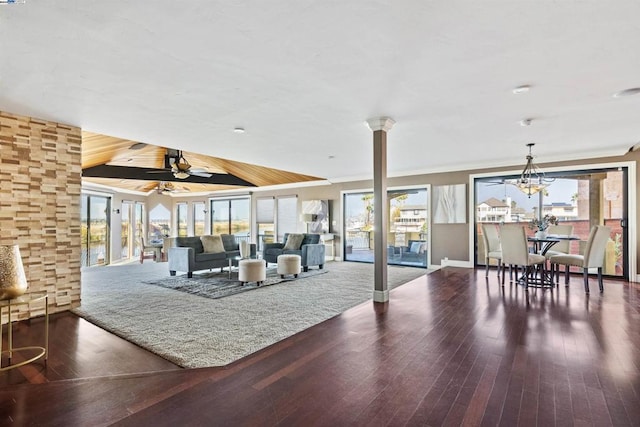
[(194, 331)]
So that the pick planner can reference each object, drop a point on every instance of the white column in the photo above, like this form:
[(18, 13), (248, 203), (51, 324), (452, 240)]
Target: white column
[(380, 126)]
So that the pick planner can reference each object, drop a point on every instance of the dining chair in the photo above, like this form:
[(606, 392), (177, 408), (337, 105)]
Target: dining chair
[(492, 248), (515, 252), (146, 252), (593, 257), (563, 247)]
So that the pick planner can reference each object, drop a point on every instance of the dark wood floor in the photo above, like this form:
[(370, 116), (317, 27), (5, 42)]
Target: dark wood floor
[(451, 349)]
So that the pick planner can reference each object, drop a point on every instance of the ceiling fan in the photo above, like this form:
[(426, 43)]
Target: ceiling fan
[(168, 187), (176, 168), (175, 162)]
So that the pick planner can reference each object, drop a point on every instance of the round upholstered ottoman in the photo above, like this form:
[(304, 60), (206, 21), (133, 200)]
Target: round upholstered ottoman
[(289, 264), (252, 270)]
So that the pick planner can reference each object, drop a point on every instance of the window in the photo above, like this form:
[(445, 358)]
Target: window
[(139, 221), (159, 223), (199, 212), (126, 230), (181, 219)]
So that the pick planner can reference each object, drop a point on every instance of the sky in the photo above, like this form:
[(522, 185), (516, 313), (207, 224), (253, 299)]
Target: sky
[(560, 190)]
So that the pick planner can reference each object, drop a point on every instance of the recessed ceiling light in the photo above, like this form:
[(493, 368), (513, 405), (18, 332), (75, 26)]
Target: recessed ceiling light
[(627, 92), (526, 122), (238, 130), (521, 89), (332, 157)]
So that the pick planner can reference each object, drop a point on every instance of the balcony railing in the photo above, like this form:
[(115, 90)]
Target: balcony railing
[(357, 239)]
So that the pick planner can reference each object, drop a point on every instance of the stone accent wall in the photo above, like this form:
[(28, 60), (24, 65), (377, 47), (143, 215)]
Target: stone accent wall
[(40, 181)]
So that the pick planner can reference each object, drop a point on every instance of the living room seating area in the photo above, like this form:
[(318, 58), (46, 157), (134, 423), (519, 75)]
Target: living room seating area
[(308, 246)]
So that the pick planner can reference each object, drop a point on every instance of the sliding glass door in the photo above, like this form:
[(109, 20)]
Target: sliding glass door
[(126, 230), (95, 226), (408, 229), (579, 199), (139, 213), (231, 216)]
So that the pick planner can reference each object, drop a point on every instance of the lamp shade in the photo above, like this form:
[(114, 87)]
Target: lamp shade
[(13, 281)]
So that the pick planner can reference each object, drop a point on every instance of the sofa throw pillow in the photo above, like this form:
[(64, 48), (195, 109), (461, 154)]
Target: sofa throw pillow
[(212, 244), (293, 243), (415, 247)]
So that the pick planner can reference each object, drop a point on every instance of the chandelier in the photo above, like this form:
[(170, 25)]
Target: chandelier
[(532, 180)]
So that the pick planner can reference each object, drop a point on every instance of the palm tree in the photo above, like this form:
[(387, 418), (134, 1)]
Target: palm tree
[(368, 207)]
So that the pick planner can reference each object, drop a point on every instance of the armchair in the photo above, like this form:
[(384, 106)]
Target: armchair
[(311, 251)]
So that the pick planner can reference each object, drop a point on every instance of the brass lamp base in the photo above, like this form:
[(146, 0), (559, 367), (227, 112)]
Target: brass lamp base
[(41, 351)]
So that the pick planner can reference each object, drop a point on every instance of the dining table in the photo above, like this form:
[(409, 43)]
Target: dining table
[(541, 246)]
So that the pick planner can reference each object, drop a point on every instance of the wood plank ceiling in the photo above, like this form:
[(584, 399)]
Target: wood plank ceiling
[(100, 149)]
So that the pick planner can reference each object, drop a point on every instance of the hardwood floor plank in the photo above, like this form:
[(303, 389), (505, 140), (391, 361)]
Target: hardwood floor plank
[(546, 415), (477, 405)]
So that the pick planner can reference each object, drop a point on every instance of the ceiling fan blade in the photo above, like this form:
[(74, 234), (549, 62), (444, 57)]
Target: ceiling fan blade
[(201, 173)]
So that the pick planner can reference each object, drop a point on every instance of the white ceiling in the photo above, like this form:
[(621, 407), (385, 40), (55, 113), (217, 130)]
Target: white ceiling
[(302, 77)]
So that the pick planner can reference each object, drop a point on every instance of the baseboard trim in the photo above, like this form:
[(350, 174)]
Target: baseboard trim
[(381, 296), (455, 263)]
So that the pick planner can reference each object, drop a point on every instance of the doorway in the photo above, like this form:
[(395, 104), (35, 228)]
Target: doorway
[(408, 229)]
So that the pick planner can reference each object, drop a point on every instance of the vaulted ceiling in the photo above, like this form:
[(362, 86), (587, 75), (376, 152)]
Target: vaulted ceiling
[(144, 160), (301, 78)]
